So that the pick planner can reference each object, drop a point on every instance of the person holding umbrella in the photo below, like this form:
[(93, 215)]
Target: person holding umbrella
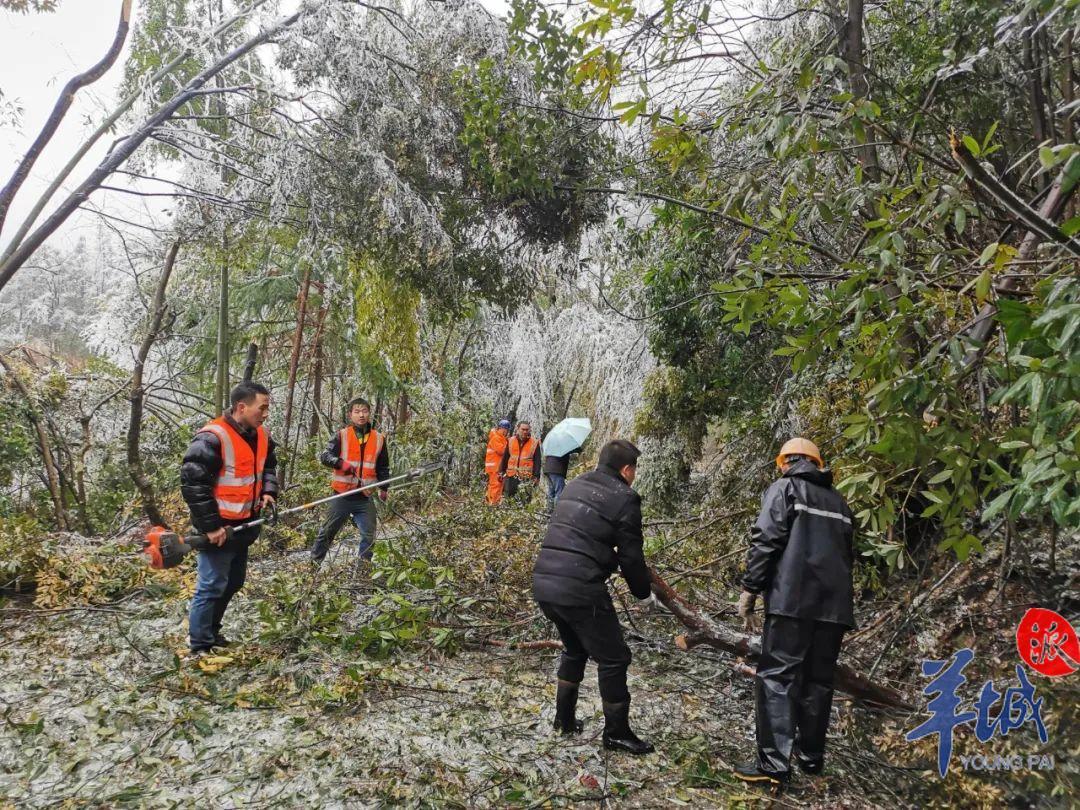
[(563, 440)]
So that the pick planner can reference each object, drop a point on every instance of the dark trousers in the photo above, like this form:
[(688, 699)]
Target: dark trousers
[(592, 632), (794, 689), (358, 508), (515, 488), (221, 574)]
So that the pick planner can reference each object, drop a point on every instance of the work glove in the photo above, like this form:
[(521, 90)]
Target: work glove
[(383, 495), (746, 611)]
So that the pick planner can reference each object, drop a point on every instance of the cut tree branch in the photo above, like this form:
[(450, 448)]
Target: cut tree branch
[(703, 630)]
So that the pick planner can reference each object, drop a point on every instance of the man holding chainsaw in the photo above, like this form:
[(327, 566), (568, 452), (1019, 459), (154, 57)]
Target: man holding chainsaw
[(229, 474), (358, 456)]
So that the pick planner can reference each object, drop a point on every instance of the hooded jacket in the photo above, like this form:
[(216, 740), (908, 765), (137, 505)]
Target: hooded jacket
[(199, 472), (801, 548), (594, 531)]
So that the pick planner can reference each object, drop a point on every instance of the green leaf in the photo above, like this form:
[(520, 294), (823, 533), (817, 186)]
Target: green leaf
[(944, 475), (982, 286), (1070, 226), (996, 505), (972, 145), (1047, 157)]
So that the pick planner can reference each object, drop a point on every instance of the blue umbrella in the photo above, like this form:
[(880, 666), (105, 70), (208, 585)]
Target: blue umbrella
[(567, 436)]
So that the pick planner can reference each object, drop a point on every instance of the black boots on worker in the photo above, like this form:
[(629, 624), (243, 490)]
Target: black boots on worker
[(751, 772), (617, 733), (565, 706)]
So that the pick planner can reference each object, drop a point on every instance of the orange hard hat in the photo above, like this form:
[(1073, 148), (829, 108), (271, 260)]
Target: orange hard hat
[(800, 447)]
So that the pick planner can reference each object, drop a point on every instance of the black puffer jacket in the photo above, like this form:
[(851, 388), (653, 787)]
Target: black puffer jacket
[(801, 548), (594, 532), (199, 472)]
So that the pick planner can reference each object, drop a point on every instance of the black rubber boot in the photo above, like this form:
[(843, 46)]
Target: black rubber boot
[(750, 772), (617, 733), (811, 766), (565, 706)]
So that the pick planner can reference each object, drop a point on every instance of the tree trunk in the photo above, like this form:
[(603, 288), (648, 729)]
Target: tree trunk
[(221, 388), (250, 361), (854, 52), (297, 343), (317, 371), (1068, 85), (706, 631), (402, 411), (51, 471), (85, 446), (138, 393)]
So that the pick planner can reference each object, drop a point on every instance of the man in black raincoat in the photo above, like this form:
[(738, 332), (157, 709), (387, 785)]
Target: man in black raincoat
[(800, 558), (594, 532)]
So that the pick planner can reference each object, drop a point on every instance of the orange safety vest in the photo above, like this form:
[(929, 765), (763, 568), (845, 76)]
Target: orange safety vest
[(496, 447), (362, 455), (520, 464), (239, 483)]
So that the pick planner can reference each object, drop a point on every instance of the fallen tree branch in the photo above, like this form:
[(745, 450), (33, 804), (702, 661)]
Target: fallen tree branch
[(703, 630)]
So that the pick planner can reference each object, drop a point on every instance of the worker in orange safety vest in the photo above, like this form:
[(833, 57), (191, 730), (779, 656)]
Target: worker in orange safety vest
[(358, 456), (228, 475), (521, 463), (496, 449)]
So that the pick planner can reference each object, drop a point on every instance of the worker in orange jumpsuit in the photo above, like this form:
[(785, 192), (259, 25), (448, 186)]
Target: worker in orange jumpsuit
[(496, 448)]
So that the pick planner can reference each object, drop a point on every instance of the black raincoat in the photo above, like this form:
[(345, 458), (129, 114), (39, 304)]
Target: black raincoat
[(801, 550), (800, 557)]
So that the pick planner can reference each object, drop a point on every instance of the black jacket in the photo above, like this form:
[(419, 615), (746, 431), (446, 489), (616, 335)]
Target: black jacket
[(558, 465), (801, 548), (199, 472), (331, 456), (594, 531)]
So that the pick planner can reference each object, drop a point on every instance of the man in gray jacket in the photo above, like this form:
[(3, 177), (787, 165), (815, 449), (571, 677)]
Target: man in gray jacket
[(800, 558)]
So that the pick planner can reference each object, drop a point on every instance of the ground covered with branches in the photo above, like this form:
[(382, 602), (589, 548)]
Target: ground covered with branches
[(425, 679)]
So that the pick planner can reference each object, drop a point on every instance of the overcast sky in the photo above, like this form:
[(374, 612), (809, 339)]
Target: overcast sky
[(38, 54)]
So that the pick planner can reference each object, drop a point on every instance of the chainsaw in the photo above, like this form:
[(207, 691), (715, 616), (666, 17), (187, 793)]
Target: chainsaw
[(165, 549)]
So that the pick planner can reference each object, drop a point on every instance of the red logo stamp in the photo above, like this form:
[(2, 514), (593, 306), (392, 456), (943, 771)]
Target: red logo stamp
[(1047, 643)]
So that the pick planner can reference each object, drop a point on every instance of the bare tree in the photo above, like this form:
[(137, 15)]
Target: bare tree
[(158, 310), (60, 109)]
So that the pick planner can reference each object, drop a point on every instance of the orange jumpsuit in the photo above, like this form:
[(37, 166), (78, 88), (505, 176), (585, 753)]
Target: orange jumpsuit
[(496, 446)]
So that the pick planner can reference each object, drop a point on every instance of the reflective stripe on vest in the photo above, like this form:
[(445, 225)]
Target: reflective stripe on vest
[(496, 447), (521, 458), (363, 456), (239, 482)]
